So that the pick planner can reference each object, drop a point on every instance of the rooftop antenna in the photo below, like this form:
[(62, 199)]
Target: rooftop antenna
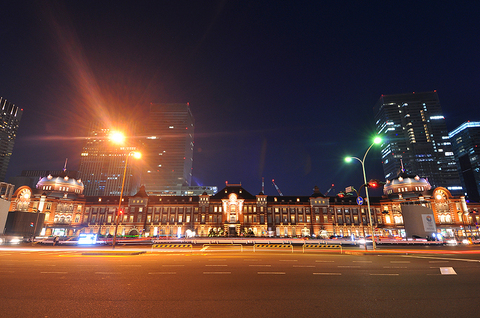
[(65, 166), (263, 185)]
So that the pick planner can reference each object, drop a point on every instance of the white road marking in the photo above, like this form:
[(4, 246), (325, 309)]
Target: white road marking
[(252, 260), (271, 273), (53, 272), (447, 271), (362, 261), (317, 261), (107, 273), (132, 265), (288, 260), (445, 258), (216, 265), (173, 265), (303, 265), (328, 274), (400, 262), (217, 260), (349, 266), (204, 248), (162, 273), (259, 265), (384, 274), (208, 273), (395, 267), (438, 261)]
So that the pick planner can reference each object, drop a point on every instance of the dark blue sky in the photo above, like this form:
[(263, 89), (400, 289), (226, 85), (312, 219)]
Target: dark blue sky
[(279, 89)]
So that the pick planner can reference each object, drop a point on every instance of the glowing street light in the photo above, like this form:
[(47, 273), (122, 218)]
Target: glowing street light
[(377, 140), (117, 137)]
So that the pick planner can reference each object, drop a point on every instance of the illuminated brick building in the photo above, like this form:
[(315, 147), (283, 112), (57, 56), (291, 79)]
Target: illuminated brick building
[(233, 211)]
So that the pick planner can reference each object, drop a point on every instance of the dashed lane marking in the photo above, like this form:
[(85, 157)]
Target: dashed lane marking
[(447, 271), (173, 265), (271, 273), (162, 273), (214, 273), (303, 265), (328, 274), (53, 272), (259, 265)]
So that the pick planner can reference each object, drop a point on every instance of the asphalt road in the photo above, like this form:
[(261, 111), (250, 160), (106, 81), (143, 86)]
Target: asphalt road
[(64, 282)]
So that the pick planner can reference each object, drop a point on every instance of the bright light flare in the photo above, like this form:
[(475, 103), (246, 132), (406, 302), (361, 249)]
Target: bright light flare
[(348, 159), (117, 137), (137, 155), (377, 140)]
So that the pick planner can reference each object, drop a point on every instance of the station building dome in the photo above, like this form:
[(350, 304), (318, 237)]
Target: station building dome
[(61, 183), (406, 185)]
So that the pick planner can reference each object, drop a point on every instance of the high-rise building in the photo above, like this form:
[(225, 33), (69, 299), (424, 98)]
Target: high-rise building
[(102, 163), (10, 120), (168, 148), (466, 147), (415, 138)]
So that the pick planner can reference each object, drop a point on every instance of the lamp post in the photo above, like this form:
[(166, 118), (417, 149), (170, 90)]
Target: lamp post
[(362, 161), (119, 138), (136, 155)]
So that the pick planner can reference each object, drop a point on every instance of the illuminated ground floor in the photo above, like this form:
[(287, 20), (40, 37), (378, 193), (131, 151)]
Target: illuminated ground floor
[(239, 230)]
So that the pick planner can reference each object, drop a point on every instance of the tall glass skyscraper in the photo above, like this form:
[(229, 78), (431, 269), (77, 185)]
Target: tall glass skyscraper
[(102, 163), (10, 120), (416, 138), (466, 147), (168, 148)]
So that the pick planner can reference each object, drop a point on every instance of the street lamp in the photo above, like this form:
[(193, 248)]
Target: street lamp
[(118, 137), (136, 155), (377, 140)]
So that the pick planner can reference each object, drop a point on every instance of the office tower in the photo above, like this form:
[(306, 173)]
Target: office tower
[(168, 148), (102, 163), (466, 147), (415, 138), (10, 117)]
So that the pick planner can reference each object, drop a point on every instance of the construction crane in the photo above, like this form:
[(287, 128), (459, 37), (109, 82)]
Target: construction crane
[(276, 187), (326, 193)]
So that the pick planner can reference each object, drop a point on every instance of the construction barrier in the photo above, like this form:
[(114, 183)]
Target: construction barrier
[(173, 246), (272, 246), (322, 246), (205, 246)]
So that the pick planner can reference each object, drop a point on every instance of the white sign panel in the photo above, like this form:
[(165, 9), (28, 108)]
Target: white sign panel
[(429, 223)]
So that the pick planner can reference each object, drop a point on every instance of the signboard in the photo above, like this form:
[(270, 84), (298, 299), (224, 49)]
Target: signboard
[(359, 200), (429, 223)]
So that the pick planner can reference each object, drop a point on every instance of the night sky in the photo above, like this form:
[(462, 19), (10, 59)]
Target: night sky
[(279, 89)]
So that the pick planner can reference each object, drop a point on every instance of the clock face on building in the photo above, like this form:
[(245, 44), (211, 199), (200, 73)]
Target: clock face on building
[(25, 195), (441, 195)]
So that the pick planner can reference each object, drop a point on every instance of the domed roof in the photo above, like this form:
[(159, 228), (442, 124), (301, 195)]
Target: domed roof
[(60, 183), (406, 183)]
